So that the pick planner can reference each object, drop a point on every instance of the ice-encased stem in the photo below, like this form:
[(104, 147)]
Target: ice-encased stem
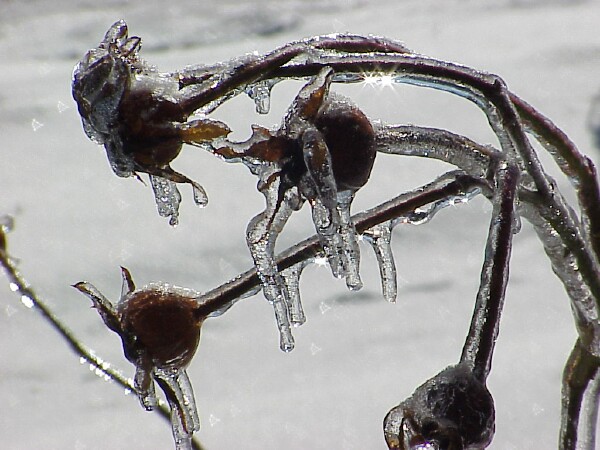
[(479, 345), (490, 94), (380, 239), (450, 184), (580, 390), (579, 168), (184, 416), (565, 266)]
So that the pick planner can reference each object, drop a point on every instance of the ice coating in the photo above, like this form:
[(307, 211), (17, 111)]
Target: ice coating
[(326, 223), (451, 410), (184, 416), (167, 198), (261, 94), (160, 331), (291, 277), (261, 234), (380, 239), (564, 265), (140, 116), (322, 153)]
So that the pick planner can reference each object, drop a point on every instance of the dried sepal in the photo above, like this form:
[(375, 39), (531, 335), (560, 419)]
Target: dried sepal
[(136, 112)]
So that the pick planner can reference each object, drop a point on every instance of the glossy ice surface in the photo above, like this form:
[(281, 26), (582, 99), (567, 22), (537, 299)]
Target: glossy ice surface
[(75, 219)]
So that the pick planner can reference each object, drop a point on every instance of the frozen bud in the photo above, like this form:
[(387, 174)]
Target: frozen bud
[(451, 411), (138, 114), (162, 324), (351, 142)]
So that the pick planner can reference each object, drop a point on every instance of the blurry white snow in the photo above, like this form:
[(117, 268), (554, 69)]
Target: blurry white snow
[(357, 356)]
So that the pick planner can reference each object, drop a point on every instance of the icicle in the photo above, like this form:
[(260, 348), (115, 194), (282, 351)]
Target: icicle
[(320, 170), (178, 386), (351, 251), (261, 235), (261, 94), (167, 198), (291, 277), (379, 237), (145, 388), (200, 196), (326, 224)]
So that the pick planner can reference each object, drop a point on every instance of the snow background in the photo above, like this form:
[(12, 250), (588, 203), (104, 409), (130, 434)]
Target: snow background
[(357, 356)]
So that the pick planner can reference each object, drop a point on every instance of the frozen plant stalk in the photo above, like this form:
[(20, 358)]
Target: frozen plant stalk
[(160, 330), (323, 153)]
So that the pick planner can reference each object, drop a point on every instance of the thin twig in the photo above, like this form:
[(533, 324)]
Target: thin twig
[(19, 285)]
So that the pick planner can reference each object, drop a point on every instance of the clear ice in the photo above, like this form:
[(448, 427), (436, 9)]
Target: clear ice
[(261, 234), (184, 415), (168, 198), (351, 251), (174, 381), (380, 238), (261, 94), (291, 277)]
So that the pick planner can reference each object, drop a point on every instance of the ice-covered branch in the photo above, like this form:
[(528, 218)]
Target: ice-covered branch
[(450, 185), (30, 299)]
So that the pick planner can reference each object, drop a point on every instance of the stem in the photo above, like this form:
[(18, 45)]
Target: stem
[(490, 94), (577, 167), (22, 287), (223, 83), (579, 392), (483, 332), (222, 296)]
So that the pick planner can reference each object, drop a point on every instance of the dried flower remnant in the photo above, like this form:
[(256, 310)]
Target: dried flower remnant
[(135, 111), (323, 153), (299, 162), (160, 330), (452, 411)]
